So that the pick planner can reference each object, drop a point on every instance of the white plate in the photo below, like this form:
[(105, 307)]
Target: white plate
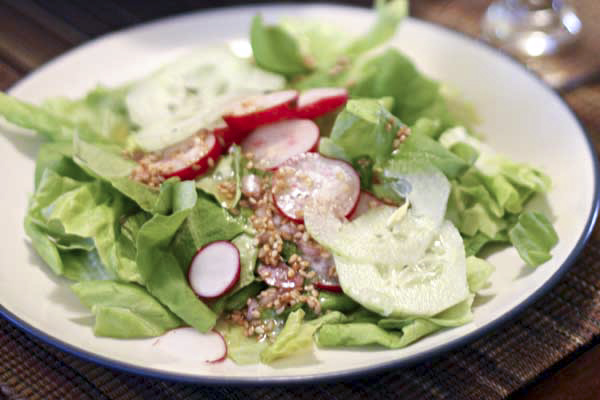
[(520, 116)]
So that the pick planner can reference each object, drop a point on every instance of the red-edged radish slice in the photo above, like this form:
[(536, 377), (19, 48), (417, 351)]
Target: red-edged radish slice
[(332, 286), (189, 344), (215, 269), (251, 112), (189, 158), (313, 103), (224, 134), (273, 144), (366, 201), (311, 177)]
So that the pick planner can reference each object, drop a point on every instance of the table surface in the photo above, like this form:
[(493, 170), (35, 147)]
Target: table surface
[(33, 32)]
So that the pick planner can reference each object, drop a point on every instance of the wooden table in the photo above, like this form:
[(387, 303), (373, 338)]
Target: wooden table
[(33, 32)]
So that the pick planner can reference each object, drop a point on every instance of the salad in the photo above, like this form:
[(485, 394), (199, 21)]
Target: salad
[(304, 188)]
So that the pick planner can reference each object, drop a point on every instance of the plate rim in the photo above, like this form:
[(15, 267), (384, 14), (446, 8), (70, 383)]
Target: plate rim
[(355, 372)]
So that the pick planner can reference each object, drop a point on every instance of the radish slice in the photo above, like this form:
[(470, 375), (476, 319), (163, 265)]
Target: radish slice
[(189, 158), (189, 344), (251, 112), (275, 143), (224, 134), (316, 102), (366, 201), (329, 286), (310, 177), (215, 269)]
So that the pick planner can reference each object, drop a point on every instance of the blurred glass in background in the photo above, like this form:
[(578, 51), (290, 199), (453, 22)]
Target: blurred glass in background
[(531, 28)]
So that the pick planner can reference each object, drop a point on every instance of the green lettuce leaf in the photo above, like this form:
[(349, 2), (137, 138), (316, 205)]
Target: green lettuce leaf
[(336, 302), (242, 349), (207, 222), (68, 221), (53, 127), (44, 246), (360, 334), (467, 153), (297, 335), (533, 236), (238, 299), (128, 229), (415, 95), (474, 244), (161, 272), (511, 184), (421, 148), (401, 333), (275, 50), (456, 315), (478, 273), (82, 265), (389, 15), (102, 110), (319, 42), (228, 169), (364, 128), (57, 156), (124, 310), (107, 163), (427, 127)]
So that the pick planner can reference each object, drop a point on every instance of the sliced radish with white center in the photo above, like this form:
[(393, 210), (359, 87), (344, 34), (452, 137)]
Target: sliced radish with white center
[(273, 144), (190, 345), (225, 135), (313, 103), (251, 112), (366, 201), (310, 177), (215, 269), (189, 158)]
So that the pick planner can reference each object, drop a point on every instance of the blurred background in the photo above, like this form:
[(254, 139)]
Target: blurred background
[(34, 31)]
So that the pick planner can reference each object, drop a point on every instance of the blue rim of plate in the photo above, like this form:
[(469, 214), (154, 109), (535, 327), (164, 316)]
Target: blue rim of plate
[(358, 372)]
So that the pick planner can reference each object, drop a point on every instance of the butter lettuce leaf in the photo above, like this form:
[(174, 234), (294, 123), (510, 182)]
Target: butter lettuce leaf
[(161, 271), (392, 332), (364, 128), (389, 15), (275, 49), (228, 169), (124, 310), (53, 127), (421, 148), (243, 350), (58, 157), (479, 272), (533, 236), (101, 110), (207, 222), (108, 164), (297, 336), (415, 95)]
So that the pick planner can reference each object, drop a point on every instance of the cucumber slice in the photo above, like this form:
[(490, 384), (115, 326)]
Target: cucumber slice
[(379, 236), (434, 283), (191, 94)]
